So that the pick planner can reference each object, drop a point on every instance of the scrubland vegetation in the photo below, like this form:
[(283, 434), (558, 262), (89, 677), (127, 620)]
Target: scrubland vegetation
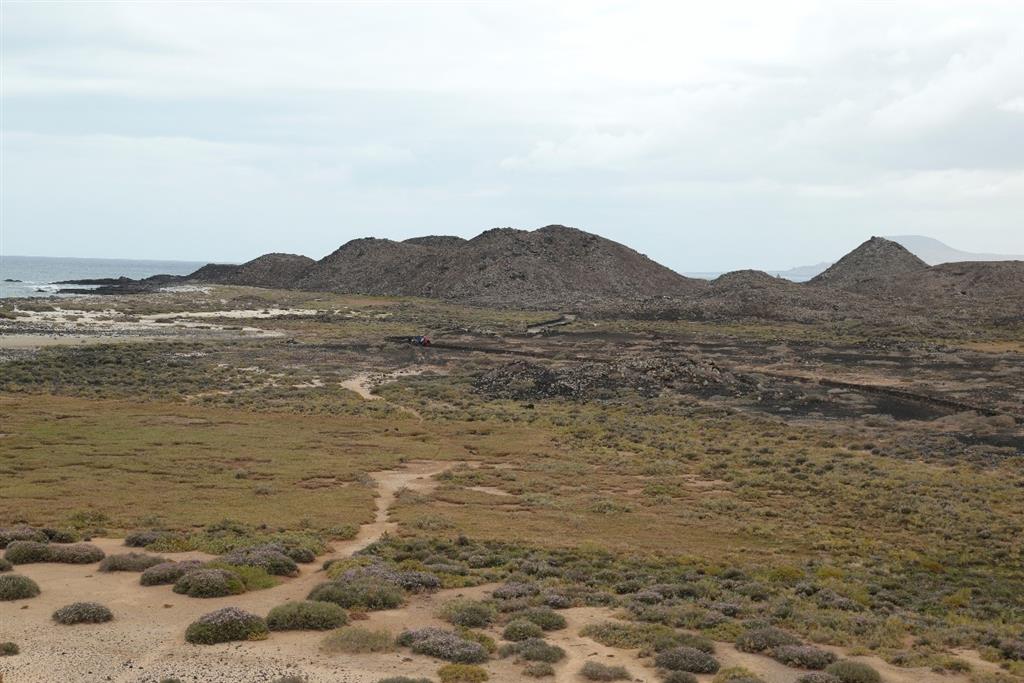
[(693, 520)]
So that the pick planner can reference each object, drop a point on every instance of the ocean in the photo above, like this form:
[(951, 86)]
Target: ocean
[(38, 273)]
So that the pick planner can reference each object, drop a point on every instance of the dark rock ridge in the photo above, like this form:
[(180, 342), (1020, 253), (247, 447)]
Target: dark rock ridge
[(274, 271), (554, 266)]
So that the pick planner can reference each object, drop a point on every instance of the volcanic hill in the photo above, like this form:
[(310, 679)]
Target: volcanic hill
[(554, 266)]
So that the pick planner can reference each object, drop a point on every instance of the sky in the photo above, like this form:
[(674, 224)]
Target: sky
[(709, 136)]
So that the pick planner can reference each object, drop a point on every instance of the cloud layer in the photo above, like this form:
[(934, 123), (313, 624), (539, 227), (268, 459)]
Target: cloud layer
[(739, 135)]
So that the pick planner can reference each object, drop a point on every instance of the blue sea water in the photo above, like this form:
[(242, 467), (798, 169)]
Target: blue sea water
[(38, 273)]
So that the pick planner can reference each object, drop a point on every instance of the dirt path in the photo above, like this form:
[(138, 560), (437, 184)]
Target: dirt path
[(365, 382), (145, 643)]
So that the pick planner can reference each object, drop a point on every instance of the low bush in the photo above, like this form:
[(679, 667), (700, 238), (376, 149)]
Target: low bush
[(83, 613), (143, 538), (61, 535), (802, 656), (21, 532), (678, 677), (648, 638), (27, 552), (209, 583), (533, 650), (8, 649), (306, 616), (538, 670), (1009, 649), (300, 554), (545, 617), (17, 587), (736, 674), (253, 578), (478, 637), (522, 629), (596, 671), (853, 672), (447, 645), (357, 640), (226, 625), (271, 558), (75, 553), (462, 673), (5, 565), (818, 677), (762, 639), (365, 593), (514, 590), (468, 613), (686, 659), (130, 562), (168, 572)]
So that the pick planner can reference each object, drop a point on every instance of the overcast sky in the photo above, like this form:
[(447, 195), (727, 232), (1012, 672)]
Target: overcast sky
[(710, 136)]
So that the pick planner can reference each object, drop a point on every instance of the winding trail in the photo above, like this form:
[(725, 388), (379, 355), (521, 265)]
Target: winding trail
[(144, 643)]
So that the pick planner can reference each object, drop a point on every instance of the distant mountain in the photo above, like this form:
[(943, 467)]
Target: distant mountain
[(554, 266), (870, 266), (934, 252)]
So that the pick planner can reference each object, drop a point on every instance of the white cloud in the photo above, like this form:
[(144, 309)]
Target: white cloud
[(826, 120)]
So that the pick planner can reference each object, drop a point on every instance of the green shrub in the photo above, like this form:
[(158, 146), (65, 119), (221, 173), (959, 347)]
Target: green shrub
[(447, 645), (533, 650), (27, 552), (130, 562), (83, 613), (686, 659), (521, 629), (545, 617), (17, 587), (253, 578), (226, 625), (168, 572), (209, 583), (538, 670), (802, 656), (306, 616), (462, 673), (468, 613), (61, 535), (478, 637), (647, 638), (853, 672), (357, 640), (736, 674), (762, 639), (596, 671), (366, 593), (5, 565), (8, 649)]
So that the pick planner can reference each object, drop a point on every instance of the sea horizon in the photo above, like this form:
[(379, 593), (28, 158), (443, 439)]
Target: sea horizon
[(35, 276)]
